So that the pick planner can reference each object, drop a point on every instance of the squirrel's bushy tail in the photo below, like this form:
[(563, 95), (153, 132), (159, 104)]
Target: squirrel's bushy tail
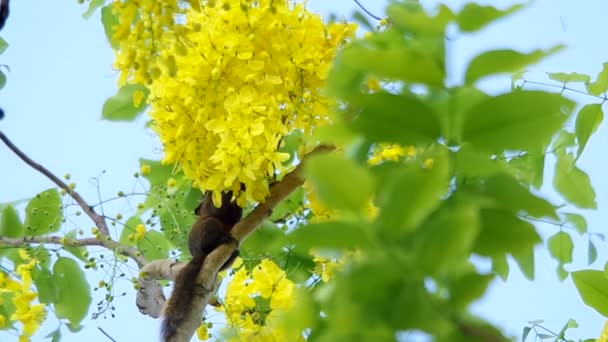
[(180, 304)]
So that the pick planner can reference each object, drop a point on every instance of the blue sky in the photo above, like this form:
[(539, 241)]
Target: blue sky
[(61, 74)]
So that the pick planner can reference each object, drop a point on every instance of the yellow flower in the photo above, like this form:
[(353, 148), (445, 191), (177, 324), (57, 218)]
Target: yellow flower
[(229, 82), (138, 96), (604, 335), (2, 321), (202, 333), (428, 163), (145, 169), (171, 182)]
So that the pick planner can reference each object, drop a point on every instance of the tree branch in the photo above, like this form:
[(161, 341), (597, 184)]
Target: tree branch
[(99, 221), (60, 240), (157, 270)]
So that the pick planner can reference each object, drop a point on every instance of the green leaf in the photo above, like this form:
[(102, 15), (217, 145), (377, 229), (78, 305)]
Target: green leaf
[(3, 45), (45, 285), (474, 164), (120, 107), (154, 245), (388, 63), (513, 121), (510, 194), (415, 20), (403, 119), (525, 261), (473, 17), (528, 168), (447, 237), (128, 229), (333, 177), (560, 247), (74, 292), (573, 183), (504, 61), (468, 288), (159, 172), (290, 145), (109, 20), (592, 286), (44, 213), (10, 223), (423, 189), (574, 77), (591, 252), (93, 5), (78, 252), (500, 266), (2, 80), (330, 235), (503, 232), (344, 81), (266, 239), (525, 333), (601, 82), (55, 336), (289, 205), (588, 120)]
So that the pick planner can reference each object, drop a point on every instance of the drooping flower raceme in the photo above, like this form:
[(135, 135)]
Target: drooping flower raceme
[(238, 76)]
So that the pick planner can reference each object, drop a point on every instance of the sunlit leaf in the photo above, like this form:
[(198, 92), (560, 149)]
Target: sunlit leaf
[(396, 118), (560, 247), (473, 16), (74, 292), (601, 82), (330, 235), (44, 213), (569, 77), (592, 286), (421, 187), (93, 5), (504, 61), (109, 20), (447, 237), (10, 223), (154, 245), (333, 178), (525, 261), (588, 120), (415, 19), (577, 221), (523, 120), (573, 183), (120, 107)]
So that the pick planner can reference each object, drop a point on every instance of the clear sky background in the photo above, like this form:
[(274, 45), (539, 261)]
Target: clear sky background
[(61, 74)]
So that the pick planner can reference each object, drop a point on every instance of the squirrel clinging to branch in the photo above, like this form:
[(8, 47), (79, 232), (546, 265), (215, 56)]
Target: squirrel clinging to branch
[(210, 230)]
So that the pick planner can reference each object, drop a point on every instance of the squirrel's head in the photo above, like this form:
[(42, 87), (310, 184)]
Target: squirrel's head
[(228, 212)]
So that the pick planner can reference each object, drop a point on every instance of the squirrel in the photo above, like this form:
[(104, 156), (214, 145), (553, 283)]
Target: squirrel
[(210, 230)]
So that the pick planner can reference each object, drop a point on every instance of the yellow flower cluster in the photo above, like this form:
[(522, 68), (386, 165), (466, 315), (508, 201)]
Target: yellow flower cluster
[(140, 231), (254, 301), (28, 314), (390, 152), (229, 83), (145, 32)]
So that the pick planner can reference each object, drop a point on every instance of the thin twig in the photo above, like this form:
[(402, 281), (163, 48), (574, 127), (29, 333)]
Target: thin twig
[(107, 335), (61, 240), (98, 220), (100, 223), (366, 11)]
